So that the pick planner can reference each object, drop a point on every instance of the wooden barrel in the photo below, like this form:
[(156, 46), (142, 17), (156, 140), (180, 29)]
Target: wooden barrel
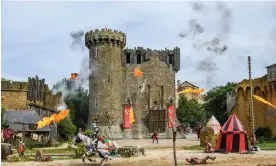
[(5, 150)]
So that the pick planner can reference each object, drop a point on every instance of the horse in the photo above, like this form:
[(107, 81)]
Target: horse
[(91, 145)]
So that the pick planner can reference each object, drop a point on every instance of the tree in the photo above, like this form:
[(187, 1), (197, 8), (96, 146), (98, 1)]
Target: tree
[(4, 79), (66, 129), (215, 101), (189, 111), (108, 119), (76, 99)]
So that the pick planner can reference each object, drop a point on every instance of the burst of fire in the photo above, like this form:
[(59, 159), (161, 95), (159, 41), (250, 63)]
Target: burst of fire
[(53, 118), (137, 72), (73, 76), (131, 116), (190, 90), (263, 101)]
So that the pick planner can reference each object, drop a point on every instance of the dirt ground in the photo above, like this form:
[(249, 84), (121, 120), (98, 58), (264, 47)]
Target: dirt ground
[(161, 155), (164, 157)]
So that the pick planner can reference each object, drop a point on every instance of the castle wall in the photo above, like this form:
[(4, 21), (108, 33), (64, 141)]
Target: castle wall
[(242, 109), (157, 77), (15, 100), (14, 96)]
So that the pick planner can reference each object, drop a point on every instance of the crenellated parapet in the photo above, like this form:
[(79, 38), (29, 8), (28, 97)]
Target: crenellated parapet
[(116, 38), (14, 86), (140, 55), (260, 87)]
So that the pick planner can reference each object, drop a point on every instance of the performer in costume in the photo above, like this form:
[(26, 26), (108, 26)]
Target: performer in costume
[(209, 148), (195, 160), (154, 137)]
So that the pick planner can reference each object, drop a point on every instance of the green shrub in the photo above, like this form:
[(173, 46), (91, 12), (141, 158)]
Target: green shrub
[(87, 132), (261, 139), (263, 131), (66, 129), (80, 150), (31, 143)]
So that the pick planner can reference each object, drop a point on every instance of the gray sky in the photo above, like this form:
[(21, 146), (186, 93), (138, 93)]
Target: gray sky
[(36, 36)]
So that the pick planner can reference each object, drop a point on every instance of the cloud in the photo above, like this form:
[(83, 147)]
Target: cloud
[(36, 40)]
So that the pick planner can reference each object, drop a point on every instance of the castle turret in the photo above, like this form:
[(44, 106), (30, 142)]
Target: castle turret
[(105, 83)]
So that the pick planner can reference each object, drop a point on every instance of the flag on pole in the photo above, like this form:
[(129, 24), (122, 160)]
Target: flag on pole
[(170, 116), (126, 117)]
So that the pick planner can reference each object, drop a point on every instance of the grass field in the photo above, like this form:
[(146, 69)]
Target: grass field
[(54, 151), (270, 145)]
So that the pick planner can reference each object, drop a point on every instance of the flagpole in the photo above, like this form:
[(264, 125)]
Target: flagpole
[(251, 97)]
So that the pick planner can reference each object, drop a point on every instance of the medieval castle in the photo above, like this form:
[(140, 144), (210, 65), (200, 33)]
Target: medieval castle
[(113, 83)]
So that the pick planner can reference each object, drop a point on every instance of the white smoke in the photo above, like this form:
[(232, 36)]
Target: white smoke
[(82, 79)]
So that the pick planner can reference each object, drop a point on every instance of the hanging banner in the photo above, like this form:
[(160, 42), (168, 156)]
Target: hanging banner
[(170, 116), (126, 117)]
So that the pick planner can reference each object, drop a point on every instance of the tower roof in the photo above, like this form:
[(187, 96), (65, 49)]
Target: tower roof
[(233, 124)]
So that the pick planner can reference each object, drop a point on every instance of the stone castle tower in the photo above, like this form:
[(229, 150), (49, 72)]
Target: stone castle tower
[(113, 83)]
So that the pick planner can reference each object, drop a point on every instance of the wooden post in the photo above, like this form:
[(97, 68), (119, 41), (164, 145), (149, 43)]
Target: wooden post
[(23, 131), (174, 139)]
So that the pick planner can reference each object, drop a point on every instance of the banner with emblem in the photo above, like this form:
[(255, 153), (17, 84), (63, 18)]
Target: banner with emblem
[(7, 133), (170, 116), (126, 117)]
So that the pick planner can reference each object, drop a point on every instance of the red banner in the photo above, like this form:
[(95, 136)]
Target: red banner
[(170, 116), (126, 117), (7, 133)]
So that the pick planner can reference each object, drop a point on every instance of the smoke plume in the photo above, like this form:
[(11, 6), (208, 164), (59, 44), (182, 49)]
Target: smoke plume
[(78, 42), (213, 46), (82, 79), (195, 28), (197, 6)]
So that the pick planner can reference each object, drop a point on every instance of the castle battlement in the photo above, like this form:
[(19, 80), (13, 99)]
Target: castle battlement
[(15, 85), (102, 36), (139, 55), (142, 50)]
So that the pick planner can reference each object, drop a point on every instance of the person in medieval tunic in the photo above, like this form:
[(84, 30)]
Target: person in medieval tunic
[(185, 131), (195, 160), (20, 149), (209, 148), (154, 137), (198, 133), (253, 140), (40, 156)]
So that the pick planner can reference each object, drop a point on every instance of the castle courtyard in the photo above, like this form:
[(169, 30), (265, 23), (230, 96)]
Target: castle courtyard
[(164, 157), (162, 154)]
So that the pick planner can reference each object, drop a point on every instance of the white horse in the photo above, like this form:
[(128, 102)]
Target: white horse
[(90, 145), (96, 146)]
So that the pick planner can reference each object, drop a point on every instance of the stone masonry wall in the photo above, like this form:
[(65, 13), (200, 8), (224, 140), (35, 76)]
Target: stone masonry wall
[(14, 100), (262, 89), (156, 74), (106, 81), (14, 96)]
